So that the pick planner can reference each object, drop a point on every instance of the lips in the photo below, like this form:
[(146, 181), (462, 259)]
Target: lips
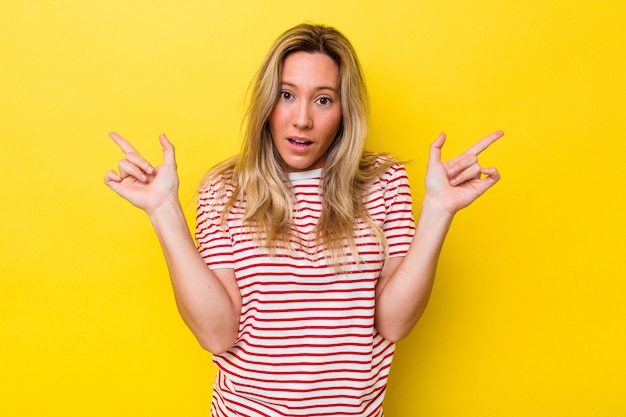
[(299, 144)]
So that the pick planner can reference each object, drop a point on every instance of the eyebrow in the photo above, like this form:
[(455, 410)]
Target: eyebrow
[(322, 87)]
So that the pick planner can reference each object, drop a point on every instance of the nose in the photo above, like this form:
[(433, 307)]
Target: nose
[(302, 118)]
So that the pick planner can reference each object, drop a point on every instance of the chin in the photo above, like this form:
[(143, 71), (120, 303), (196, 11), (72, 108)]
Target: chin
[(299, 166)]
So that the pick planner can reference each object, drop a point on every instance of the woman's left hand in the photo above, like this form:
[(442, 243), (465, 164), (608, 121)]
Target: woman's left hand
[(455, 184)]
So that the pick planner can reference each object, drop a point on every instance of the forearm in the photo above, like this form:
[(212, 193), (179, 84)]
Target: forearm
[(202, 299), (405, 294)]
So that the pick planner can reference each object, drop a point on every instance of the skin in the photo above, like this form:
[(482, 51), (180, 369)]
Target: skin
[(307, 113), (210, 302), (402, 293)]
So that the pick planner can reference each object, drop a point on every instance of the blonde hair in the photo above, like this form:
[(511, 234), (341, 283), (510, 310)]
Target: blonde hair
[(258, 173)]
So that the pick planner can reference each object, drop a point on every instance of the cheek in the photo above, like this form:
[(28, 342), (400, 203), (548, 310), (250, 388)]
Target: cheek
[(332, 124), (276, 119)]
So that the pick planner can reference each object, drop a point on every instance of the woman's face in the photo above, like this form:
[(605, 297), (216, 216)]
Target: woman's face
[(307, 114)]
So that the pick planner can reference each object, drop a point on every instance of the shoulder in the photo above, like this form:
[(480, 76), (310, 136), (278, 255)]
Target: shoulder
[(218, 185), (386, 180), (384, 168), (221, 176), (393, 181), (376, 164)]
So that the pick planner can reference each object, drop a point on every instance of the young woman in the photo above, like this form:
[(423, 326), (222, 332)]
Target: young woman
[(307, 265)]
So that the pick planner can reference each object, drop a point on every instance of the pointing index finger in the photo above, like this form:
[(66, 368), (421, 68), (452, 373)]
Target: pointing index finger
[(484, 143), (122, 143)]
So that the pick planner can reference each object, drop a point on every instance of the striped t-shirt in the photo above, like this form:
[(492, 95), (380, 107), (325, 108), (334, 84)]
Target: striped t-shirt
[(306, 345)]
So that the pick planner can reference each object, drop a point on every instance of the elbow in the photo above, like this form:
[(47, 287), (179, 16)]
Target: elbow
[(214, 339), (394, 335), (397, 328), (216, 342), (215, 347)]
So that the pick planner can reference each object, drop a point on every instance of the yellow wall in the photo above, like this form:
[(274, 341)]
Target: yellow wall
[(528, 314)]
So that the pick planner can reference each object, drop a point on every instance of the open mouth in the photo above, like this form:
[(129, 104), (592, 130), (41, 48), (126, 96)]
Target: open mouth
[(300, 142)]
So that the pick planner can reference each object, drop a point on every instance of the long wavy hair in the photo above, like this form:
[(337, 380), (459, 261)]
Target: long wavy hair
[(258, 172)]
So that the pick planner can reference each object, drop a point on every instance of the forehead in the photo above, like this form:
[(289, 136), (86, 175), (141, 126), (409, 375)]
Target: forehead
[(310, 68)]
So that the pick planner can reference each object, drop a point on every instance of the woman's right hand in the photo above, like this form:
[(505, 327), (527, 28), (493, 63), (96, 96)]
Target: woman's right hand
[(140, 183)]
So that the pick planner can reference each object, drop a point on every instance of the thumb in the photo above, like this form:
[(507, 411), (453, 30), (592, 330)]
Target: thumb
[(435, 149), (169, 154)]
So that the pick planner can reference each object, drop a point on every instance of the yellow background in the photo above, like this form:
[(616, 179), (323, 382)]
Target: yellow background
[(528, 314)]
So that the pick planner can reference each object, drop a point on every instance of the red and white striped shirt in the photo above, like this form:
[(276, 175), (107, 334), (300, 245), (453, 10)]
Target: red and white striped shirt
[(307, 345)]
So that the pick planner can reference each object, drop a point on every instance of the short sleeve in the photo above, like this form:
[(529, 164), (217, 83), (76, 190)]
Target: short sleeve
[(212, 239), (399, 225)]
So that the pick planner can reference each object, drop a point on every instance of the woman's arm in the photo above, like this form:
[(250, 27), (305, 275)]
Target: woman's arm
[(403, 291), (208, 301)]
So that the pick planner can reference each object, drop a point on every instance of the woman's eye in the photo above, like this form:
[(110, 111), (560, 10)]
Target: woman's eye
[(285, 95), (324, 101)]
